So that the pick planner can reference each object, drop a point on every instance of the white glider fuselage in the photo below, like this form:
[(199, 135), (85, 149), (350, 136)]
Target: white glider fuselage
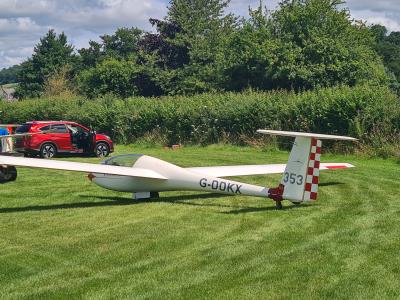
[(177, 179)]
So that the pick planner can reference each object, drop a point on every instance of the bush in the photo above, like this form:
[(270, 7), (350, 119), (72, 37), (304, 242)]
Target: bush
[(368, 113)]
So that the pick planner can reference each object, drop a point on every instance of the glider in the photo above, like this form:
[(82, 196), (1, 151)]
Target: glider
[(146, 176)]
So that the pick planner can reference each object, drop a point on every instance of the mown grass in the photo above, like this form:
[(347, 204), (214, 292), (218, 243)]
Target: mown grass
[(63, 237)]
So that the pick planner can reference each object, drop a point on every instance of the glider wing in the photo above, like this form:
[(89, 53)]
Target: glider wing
[(79, 167)]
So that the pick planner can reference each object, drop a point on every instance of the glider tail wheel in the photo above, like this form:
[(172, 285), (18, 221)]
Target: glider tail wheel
[(278, 204)]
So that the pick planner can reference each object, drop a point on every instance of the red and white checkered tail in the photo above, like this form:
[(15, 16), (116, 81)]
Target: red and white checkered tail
[(312, 178), (301, 176)]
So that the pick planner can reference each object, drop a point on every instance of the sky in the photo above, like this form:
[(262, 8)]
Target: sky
[(23, 22)]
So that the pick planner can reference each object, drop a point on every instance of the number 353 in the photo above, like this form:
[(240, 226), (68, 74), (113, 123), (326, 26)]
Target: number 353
[(293, 178)]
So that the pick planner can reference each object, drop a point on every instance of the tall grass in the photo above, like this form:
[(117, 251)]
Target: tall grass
[(371, 114)]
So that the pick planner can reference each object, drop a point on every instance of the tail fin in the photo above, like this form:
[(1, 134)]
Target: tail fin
[(300, 179), (301, 175)]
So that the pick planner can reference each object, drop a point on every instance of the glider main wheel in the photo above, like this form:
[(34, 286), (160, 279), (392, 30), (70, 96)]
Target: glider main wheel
[(102, 149), (278, 204), (154, 195), (48, 150), (8, 174)]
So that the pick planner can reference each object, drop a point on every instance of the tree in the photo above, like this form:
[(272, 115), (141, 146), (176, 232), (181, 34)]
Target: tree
[(202, 27), (49, 56), (89, 57), (129, 46), (169, 55), (249, 54), (198, 47), (120, 45), (9, 75), (123, 43), (379, 32), (388, 47), (320, 45), (111, 76), (394, 38), (59, 84)]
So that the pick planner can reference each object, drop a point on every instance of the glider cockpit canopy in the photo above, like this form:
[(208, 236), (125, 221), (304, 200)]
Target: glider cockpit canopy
[(127, 160)]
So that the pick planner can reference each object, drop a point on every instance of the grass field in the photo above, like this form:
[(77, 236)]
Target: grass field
[(63, 237)]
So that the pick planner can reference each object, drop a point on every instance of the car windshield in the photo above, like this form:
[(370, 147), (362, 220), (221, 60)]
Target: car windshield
[(23, 128), (123, 160)]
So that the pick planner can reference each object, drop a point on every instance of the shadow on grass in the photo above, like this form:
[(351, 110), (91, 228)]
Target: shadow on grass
[(181, 200), (114, 201), (268, 208), (185, 200), (330, 183), (117, 201)]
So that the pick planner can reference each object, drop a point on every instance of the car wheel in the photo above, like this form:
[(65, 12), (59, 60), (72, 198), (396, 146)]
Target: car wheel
[(48, 150), (102, 150), (8, 174)]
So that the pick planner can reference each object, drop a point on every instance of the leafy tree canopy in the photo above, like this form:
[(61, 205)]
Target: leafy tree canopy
[(49, 55), (321, 45), (388, 47), (120, 45), (302, 45), (198, 47), (9, 75)]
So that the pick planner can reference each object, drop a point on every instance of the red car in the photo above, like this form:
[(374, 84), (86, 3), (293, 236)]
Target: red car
[(51, 137)]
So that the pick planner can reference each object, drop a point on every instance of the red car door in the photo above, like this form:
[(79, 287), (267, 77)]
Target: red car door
[(61, 137)]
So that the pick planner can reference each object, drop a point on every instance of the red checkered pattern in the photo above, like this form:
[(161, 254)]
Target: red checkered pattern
[(311, 187)]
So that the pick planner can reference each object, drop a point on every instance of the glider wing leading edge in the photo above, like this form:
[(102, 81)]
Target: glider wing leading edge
[(80, 167)]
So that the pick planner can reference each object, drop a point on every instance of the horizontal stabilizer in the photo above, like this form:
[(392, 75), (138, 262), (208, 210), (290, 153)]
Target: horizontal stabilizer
[(305, 134), (79, 167)]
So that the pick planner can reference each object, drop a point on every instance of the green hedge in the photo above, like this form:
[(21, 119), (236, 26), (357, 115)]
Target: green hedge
[(362, 111)]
